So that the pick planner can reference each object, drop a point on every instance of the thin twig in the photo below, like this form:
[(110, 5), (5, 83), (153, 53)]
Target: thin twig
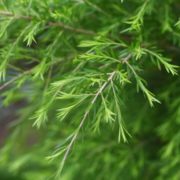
[(69, 147), (9, 14), (27, 72), (14, 79), (103, 87), (15, 68), (126, 59), (51, 24), (70, 28)]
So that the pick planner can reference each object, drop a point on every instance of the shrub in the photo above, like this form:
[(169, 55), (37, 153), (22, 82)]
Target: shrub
[(98, 86)]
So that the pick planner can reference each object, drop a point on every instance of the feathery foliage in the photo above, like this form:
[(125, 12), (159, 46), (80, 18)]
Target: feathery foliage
[(100, 87)]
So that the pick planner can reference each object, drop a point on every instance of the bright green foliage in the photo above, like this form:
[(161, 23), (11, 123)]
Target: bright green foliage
[(100, 84)]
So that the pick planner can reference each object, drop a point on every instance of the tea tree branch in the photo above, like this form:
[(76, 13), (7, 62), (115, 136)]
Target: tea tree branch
[(50, 24), (69, 147)]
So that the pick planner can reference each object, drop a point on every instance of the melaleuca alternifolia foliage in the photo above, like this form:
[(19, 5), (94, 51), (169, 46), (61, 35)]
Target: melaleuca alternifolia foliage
[(99, 80)]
